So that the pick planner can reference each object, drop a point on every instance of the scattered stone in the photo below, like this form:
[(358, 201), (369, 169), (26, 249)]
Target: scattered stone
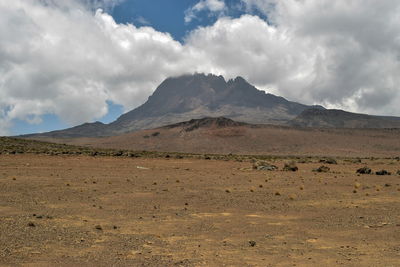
[(98, 227), (388, 185), (252, 243), (115, 227), (264, 166), (31, 224), (398, 172), (364, 170), (357, 185), (328, 161), (290, 166), (322, 169), (382, 172), (277, 193), (142, 168), (227, 191)]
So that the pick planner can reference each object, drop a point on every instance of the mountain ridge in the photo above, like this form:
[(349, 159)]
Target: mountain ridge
[(336, 118), (195, 96)]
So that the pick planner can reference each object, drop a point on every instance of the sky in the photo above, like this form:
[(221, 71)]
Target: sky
[(67, 62)]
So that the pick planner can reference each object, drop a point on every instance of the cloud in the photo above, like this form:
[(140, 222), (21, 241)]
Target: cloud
[(212, 6), (143, 21), (62, 58), (69, 62), (338, 53), (103, 4)]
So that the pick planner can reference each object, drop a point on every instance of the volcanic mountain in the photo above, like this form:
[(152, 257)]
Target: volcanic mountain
[(195, 96)]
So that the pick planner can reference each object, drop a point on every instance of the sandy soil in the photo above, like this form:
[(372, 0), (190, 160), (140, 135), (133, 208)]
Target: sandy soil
[(89, 211)]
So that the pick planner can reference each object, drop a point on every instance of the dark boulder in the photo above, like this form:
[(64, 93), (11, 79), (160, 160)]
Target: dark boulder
[(382, 172), (364, 170)]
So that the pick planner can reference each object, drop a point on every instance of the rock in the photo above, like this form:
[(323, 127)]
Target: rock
[(252, 243), (382, 172), (328, 161), (31, 224), (98, 227), (290, 166), (322, 169), (264, 166), (398, 172), (364, 170)]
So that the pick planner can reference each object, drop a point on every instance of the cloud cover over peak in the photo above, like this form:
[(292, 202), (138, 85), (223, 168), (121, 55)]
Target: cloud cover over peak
[(68, 60)]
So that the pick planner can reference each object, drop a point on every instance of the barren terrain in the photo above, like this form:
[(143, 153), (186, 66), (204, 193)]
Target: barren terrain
[(121, 211), (255, 139)]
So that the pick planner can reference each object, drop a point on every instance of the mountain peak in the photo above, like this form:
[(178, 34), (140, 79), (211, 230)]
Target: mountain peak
[(192, 96), (199, 95)]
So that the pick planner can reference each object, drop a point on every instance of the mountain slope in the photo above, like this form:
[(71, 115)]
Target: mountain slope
[(195, 96), (224, 136), (333, 118)]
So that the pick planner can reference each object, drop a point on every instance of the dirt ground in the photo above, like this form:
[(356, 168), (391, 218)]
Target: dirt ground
[(105, 211), (260, 140)]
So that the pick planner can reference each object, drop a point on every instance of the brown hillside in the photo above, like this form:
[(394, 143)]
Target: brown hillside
[(225, 136)]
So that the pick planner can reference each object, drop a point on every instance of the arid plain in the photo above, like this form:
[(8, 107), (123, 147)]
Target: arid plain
[(185, 210)]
